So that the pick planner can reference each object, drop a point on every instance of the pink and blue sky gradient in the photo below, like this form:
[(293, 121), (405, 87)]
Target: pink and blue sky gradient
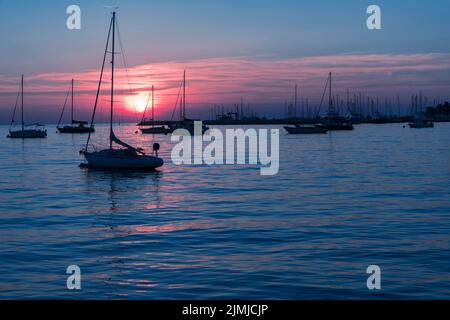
[(257, 50)]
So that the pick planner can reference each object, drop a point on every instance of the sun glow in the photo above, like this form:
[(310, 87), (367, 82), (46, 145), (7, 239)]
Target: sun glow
[(138, 102)]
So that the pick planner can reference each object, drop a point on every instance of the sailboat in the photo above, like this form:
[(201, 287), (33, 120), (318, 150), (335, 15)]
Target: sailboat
[(26, 131), (332, 120), (154, 129), (420, 123), (185, 123), (304, 129), (76, 125), (127, 157)]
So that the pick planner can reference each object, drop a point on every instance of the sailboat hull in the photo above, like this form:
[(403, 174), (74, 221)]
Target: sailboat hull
[(68, 129), (25, 134), (306, 130), (421, 125), (156, 130), (122, 159)]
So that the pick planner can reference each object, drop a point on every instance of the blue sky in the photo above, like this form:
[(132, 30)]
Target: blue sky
[(35, 39)]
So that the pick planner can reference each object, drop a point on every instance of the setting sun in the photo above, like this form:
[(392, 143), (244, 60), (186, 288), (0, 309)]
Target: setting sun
[(138, 102)]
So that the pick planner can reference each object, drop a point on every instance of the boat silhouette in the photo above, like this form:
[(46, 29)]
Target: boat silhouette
[(127, 157), (38, 130), (76, 126)]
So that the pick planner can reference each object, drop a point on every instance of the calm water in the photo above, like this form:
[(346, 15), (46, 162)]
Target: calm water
[(341, 202)]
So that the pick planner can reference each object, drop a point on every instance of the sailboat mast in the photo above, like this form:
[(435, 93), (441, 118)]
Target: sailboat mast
[(72, 102), (23, 124), (99, 84), (330, 103), (295, 101), (184, 95), (153, 103), (112, 81)]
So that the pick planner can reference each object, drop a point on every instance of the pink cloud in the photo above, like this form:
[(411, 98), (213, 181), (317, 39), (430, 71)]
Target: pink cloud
[(225, 80)]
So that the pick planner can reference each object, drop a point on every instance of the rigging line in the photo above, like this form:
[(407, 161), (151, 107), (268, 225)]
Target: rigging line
[(126, 68), (146, 105), (64, 107), (15, 107), (99, 84), (176, 102), (323, 97)]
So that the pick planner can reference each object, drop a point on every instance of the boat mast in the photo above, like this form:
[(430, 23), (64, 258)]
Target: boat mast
[(23, 123), (72, 102), (99, 85), (153, 103), (330, 102), (184, 95), (112, 82), (295, 101)]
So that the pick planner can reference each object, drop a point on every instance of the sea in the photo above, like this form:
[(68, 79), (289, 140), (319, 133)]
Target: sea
[(341, 202)]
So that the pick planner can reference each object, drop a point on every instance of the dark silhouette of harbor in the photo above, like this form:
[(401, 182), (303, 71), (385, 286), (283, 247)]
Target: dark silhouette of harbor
[(355, 108), (440, 113)]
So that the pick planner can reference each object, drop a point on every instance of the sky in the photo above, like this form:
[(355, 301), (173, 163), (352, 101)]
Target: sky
[(256, 50)]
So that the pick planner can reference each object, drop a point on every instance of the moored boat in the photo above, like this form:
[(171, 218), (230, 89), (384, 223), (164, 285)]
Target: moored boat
[(38, 130), (156, 130), (76, 126), (127, 157), (332, 121), (185, 123), (153, 129), (302, 129), (420, 123)]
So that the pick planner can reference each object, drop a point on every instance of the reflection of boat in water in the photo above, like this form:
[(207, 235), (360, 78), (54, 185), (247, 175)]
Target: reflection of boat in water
[(421, 123), (153, 129), (332, 121), (130, 157), (302, 129), (37, 132), (76, 125)]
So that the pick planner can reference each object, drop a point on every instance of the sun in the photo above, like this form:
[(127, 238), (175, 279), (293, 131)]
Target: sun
[(140, 104), (137, 102)]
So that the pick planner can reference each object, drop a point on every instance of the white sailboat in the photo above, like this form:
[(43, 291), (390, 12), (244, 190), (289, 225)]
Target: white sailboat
[(26, 131), (127, 157)]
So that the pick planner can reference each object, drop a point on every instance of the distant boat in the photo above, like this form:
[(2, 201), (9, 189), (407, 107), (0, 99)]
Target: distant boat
[(113, 158), (378, 118), (37, 132), (302, 129), (332, 120), (153, 129), (76, 125), (421, 123), (156, 130), (354, 118), (185, 123)]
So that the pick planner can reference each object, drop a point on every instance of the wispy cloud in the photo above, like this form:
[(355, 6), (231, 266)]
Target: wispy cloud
[(224, 80)]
